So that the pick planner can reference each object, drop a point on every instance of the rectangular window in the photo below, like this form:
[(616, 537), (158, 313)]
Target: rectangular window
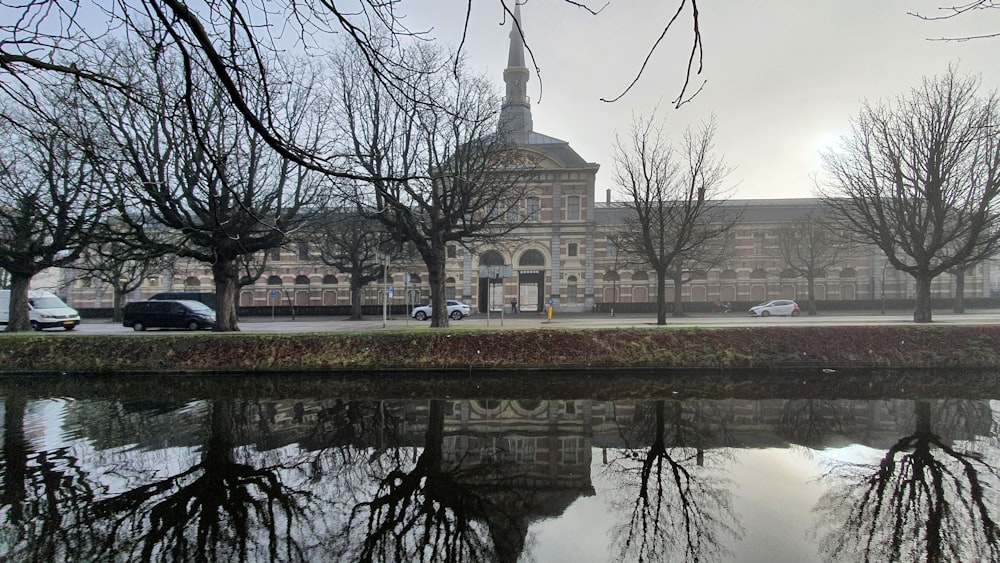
[(758, 244), (573, 208), (612, 248), (274, 254), (513, 212), (534, 208), (522, 450), (452, 251), (303, 251), (571, 249), (572, 450)]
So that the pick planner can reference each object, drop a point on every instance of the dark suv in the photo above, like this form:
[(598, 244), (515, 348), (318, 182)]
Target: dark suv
[(190, 315), (206, 297)]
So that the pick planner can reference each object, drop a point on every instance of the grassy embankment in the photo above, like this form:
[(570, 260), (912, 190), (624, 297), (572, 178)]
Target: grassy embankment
[(489, 350)]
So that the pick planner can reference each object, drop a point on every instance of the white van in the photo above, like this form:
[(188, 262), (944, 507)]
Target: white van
[(45, 310)]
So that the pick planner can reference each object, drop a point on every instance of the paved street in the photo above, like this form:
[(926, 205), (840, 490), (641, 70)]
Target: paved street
[(568, 320)]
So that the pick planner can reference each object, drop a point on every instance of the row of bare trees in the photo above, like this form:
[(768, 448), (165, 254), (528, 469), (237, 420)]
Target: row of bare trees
[(117, 181), (917, 178)]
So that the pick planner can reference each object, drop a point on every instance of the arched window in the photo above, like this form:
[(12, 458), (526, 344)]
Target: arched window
[(191, 281), (330, 279), (789, 273), (273, 280), (571, 289), (640, 276), (612, 275), (848, 273), (491, 258), (728, 275), (301, 280), (415, 278), (532, 258), (758, 274)]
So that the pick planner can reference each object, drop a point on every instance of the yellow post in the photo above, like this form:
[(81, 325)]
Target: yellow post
[(550, 312)]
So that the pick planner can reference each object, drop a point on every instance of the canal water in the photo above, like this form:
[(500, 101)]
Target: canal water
[(186, 469)]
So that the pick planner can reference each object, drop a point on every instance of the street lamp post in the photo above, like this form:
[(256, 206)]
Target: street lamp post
[(384, 262)]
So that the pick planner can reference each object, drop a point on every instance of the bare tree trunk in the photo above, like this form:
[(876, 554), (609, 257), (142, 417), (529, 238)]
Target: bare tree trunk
[(356, 298), (678, 293), (119, 298), (19, 320), (439, 305), (960, 291), (922, 309), (811, 291), (661, 298), (226, 282)]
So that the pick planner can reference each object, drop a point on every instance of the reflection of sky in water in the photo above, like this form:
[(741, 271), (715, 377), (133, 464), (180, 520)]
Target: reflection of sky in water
[(775, 490), (774, 493)]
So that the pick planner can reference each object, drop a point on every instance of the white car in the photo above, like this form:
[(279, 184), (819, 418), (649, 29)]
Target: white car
[(778, 307), (456, 310)]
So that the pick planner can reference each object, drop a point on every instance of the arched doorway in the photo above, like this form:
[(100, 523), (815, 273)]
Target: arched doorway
[(531, 281), (487, 299)]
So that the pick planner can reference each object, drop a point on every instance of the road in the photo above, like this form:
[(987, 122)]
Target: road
[(567, 320)]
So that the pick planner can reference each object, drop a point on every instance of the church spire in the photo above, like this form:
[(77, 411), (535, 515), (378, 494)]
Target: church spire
[(515, 113)]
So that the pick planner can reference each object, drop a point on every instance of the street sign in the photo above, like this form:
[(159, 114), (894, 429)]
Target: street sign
[(496, 273)]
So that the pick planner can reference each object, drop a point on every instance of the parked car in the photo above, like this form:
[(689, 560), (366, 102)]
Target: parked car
[(206, 297), (778, 307), (456, 310), (45, 310), (189, 315)]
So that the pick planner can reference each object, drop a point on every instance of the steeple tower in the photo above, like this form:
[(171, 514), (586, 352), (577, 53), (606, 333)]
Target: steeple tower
[(515, 113)]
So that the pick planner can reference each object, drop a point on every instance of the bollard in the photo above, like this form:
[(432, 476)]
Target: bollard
[(550, 312)]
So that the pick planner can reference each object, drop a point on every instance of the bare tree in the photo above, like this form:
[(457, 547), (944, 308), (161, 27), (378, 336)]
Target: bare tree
[(963, 10), (120, 264), (232, 43), (51, 199), (203, 185), (353, 244), (809, 248), (441, 171), (676, 195), (919, 178), (713, 252)]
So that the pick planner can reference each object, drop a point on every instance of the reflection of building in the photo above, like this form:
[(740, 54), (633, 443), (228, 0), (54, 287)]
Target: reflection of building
[(563, 252)]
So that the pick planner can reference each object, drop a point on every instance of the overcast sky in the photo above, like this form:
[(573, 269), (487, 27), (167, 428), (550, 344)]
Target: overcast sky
[(783, 76)]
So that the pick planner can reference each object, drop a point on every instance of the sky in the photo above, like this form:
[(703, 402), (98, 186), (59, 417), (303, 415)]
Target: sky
[(783, 77)]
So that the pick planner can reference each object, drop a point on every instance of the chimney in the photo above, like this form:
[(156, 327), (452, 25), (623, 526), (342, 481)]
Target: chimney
[(609, 197)]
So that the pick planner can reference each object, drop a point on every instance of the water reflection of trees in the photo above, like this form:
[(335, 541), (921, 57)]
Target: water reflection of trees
[(46, 496), (220, 508), (924, 500), (434, 509), (682, 507)]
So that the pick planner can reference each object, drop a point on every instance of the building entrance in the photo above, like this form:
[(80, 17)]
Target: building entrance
[(530, 290)]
